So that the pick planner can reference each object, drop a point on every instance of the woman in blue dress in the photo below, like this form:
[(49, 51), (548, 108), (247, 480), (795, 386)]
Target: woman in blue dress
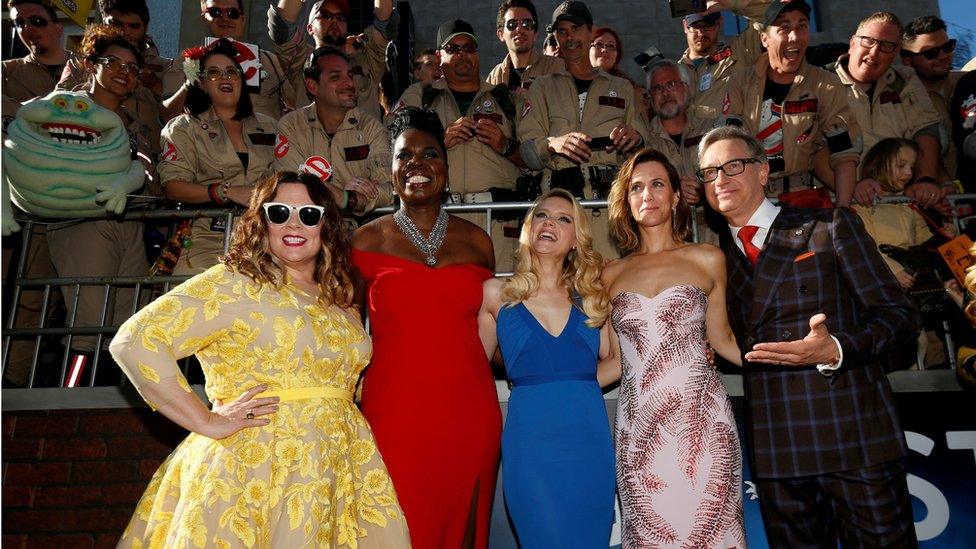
[(548, 321)]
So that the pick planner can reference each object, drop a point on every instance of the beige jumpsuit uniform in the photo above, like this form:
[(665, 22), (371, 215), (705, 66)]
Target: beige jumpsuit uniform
[(940, 101), (900, 106), (24, 79), (101, 247), (552, 108), (198, 150), (815, 114), (712, 74), (359, 148), (539, 65), (276, 97), (474, 167), (367, 66)]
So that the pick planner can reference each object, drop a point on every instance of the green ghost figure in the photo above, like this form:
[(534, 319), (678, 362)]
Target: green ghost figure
[(64, 156)]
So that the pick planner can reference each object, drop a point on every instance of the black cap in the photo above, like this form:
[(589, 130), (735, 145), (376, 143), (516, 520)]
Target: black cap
[(572, 11), (452, 28), (780, 7)]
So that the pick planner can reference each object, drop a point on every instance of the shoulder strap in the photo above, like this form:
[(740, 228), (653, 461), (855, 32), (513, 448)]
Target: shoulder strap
[(428, 96)]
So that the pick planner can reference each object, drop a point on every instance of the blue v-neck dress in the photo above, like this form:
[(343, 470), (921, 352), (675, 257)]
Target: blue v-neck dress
[(557, 453)]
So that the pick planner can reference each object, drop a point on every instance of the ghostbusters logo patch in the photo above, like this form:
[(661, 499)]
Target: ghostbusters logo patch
[(169, 153), (399, 105), (317, 166), (281, 146), (968, 112), (525, 109)]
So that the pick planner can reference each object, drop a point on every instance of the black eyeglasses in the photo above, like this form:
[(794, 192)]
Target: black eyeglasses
[(35, 21), (217, 13), (278, 213), (216, 73), (329, 16), (932, 53), (667, 86), (883, 45), (456, 48), (730, 168), (115, 64), (527, 24)]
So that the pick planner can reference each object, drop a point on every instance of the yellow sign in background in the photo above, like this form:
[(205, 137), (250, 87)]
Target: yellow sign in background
[(77, 10)]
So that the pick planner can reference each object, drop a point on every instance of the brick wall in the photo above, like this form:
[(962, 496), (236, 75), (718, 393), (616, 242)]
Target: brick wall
[(71, 478)]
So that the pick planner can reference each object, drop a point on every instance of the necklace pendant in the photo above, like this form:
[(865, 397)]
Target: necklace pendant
[(431, 261)]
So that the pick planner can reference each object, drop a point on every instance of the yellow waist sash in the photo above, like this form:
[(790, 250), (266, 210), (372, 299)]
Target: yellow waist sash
[(305, 393)]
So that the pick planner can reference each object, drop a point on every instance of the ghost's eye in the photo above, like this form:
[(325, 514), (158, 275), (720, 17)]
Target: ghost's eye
[(81, 106), (61, 103)]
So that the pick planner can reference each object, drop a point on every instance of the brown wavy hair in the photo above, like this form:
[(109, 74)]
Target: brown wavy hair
[(581, 268), (623, 226), (250, 254), (100, 37)]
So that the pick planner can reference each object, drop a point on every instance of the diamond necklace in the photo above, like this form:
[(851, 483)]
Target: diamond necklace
[(427, 246)]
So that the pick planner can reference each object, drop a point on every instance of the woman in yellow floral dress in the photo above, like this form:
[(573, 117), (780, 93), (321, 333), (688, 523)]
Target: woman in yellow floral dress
[(285, 459)]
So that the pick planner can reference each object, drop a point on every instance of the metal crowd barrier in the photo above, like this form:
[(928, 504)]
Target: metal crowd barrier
[(148, 286)]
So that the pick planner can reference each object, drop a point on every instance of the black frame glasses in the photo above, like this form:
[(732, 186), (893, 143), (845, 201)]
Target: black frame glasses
[(527, 24), (35, 21), (279, 213), (452, 49), (216, 73), (883, 45), (116, 65), (216, 13), (932, 53), (730, 168)]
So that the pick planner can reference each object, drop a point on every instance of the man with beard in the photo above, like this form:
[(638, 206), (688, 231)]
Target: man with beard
[(227, 19), (517, 25), (35, 74), (356, 147), (712, 61), (328, 25), (479, 132), (132, 16), (794, 110), (580, 123), (890, 101), (926, 47)]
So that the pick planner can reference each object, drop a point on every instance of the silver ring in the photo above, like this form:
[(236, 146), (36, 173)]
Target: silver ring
[(250, 415)]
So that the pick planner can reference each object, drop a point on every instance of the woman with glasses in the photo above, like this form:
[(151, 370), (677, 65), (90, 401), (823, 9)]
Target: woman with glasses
[(606, 51), (429, 394), (213, 155), (284, 458), (549, 322), (104, 247), (679, 470)]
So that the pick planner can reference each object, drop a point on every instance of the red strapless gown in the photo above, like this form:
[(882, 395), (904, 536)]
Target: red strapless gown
[(429, 395)]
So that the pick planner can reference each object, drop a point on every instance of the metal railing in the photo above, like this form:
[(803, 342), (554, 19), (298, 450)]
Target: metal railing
[(147, 287)]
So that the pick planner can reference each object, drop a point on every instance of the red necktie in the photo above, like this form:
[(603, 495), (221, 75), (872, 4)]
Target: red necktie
[(745, 235)]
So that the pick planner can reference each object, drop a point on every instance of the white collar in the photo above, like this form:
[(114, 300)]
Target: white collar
[(763, 217)]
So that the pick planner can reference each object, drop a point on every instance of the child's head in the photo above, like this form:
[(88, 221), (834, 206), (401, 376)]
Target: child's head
[(890, 162)]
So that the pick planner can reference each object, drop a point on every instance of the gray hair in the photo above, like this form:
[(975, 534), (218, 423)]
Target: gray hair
[(683, 71), (723, 133)]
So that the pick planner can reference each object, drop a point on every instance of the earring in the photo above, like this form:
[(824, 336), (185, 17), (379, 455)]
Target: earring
[(674, 218)]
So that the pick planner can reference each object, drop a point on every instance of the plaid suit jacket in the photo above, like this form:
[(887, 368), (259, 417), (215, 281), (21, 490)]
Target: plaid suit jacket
[(800, 422)]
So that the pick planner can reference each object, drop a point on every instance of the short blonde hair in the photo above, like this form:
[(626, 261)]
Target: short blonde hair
[(882, 17)]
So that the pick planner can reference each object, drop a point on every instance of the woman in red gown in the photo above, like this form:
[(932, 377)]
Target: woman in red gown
[(428, 393)]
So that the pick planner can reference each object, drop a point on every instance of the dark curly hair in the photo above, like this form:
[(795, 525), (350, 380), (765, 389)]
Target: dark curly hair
[(250, 253), (100, 37), (198, 101), (413, 118)]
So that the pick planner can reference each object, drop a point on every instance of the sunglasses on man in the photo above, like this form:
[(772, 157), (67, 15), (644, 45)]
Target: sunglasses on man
[(932, 53), (216, 13), (35, 21), (329, 16), (452, 49), (527, 24)]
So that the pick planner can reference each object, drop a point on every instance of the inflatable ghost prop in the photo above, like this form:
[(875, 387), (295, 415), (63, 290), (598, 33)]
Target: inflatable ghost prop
[(64, 156)]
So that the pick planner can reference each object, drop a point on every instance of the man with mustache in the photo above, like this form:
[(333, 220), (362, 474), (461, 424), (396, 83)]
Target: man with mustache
[(712, 61), (796, 109), (517, 25), (227, 19), (926, 47), (890, 101), (37, 73), (355, 146), (479, 132), (579, 124), (328, 25)]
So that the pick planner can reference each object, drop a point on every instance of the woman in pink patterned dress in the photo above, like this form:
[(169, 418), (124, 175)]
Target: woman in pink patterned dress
[(679, 468)]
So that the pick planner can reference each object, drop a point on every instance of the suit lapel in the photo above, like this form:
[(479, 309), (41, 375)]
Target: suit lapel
[(790, 232)]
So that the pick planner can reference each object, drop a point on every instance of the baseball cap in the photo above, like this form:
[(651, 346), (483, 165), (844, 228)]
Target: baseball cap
[(452, 28), (708, 19), (343, 6), (572, 11), (780, 7)]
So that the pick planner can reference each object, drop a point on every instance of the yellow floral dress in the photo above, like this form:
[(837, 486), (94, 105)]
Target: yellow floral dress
[(312, 477)]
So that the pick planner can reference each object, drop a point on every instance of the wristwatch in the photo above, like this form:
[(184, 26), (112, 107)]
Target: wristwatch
[(510, 147)]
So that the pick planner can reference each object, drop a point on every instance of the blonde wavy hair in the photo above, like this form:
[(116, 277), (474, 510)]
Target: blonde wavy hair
[(250, 254), (581, 268), (623, 226)]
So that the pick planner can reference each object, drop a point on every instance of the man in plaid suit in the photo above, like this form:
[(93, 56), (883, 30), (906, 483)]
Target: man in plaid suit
[(826, 448)]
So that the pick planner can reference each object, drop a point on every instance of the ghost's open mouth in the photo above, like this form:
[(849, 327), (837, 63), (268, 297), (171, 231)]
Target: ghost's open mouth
[(72, 133)]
